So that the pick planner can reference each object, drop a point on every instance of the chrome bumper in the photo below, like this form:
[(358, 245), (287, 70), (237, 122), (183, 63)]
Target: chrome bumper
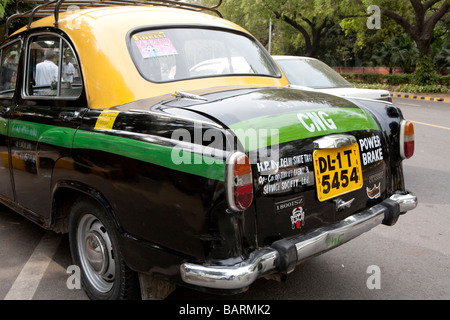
[(285, 254)]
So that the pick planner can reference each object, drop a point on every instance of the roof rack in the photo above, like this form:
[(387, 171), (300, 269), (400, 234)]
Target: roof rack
[(48, 7)]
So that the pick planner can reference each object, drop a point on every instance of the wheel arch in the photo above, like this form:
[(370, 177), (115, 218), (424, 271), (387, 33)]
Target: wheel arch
[(65, 195)]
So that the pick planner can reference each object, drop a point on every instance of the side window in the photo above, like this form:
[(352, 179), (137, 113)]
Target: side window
[(53, 70), (70, 78), (8, 70)]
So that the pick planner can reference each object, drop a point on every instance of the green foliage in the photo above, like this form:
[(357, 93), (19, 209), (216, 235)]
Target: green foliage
[(407, 87), (369, 86), (336, 30), (437, 88), (365, 78), (417, 18), (3, 8), (299, 25), (425, 73), (400, 51), (445, 80), (389, 79), (441, 51), (9, 8), (355, 22)]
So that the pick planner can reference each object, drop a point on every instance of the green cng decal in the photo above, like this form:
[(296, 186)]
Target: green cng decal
[(131, 148), (301, 125)]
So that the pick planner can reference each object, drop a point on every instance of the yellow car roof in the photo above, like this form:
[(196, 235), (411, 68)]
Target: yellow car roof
[(99, 36)]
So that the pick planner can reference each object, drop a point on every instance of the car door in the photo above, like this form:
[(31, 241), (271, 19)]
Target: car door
[(10, 54), (44, 119)]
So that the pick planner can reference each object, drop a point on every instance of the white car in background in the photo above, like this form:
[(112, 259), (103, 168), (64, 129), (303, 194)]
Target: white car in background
[(312, 74)]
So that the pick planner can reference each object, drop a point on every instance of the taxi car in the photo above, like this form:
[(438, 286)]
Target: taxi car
[(164, 141), (312, 74)]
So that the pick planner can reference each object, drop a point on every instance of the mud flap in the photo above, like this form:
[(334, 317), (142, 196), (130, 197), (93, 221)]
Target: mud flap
[(153, 288)]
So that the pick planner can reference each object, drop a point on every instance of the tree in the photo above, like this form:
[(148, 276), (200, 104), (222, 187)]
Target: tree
[(426, 14), (418, 18), (312, 19), (396, 52), (8, 8), (249, 14)]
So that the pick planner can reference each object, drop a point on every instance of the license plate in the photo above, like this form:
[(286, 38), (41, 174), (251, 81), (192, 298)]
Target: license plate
[(337, 171)]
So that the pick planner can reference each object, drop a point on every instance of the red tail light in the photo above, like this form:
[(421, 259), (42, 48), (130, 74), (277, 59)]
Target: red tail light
[(239, 182), (406, 139)]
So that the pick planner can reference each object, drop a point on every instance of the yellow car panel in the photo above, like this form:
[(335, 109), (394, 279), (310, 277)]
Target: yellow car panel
[(110, 76)]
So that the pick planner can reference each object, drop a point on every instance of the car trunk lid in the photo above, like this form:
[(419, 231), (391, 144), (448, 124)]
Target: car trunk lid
[(315, 158)]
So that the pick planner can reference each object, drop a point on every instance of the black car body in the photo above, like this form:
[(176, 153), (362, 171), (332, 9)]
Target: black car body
[(209, 180)]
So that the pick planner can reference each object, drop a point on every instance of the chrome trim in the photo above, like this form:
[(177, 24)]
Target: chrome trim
[(267, 259), (334, 141), (186, 95), (406, 201), (330, 237), (236, 277), (172, 116), (341, 204)]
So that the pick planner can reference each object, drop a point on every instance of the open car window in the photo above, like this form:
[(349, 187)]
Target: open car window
[(185, 53), (8, 71), (53, 69)]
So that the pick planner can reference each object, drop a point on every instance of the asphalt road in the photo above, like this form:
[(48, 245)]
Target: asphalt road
[(410, 260)]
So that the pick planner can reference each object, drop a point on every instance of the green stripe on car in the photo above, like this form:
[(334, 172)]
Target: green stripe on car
[(186, 161), (301, 125)]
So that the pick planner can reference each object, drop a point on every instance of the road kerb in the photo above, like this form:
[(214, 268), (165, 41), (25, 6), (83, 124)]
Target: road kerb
[(412, 96)]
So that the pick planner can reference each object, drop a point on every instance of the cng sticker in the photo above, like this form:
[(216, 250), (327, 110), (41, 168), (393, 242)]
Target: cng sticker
[(317, 121), (106, 120)]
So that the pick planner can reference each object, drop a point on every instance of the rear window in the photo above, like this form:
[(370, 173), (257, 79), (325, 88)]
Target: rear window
[(184, 53)]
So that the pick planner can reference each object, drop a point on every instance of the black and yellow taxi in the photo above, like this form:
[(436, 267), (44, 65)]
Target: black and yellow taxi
[(164, 140)]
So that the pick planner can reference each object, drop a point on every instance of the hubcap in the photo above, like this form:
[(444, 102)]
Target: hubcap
[(96, 253)]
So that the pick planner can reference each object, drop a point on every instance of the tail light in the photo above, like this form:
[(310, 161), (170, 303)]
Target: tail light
[(406, 139), (239, 182)]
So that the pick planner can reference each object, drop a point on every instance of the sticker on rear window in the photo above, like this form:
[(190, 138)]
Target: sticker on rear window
[(154, 44)]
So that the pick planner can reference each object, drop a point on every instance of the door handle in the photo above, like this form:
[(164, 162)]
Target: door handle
[(68, 115), (4, 111)]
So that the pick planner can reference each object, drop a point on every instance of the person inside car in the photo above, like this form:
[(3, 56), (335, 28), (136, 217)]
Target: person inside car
[(47, 70), (68, 70)]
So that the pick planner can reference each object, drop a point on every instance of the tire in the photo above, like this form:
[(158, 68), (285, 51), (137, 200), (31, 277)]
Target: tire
[(95, 250)]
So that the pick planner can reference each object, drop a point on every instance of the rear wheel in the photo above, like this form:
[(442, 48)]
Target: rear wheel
[(94, 247)]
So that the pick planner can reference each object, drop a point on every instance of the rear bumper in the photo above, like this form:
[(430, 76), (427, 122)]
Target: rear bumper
[(285, 254)]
